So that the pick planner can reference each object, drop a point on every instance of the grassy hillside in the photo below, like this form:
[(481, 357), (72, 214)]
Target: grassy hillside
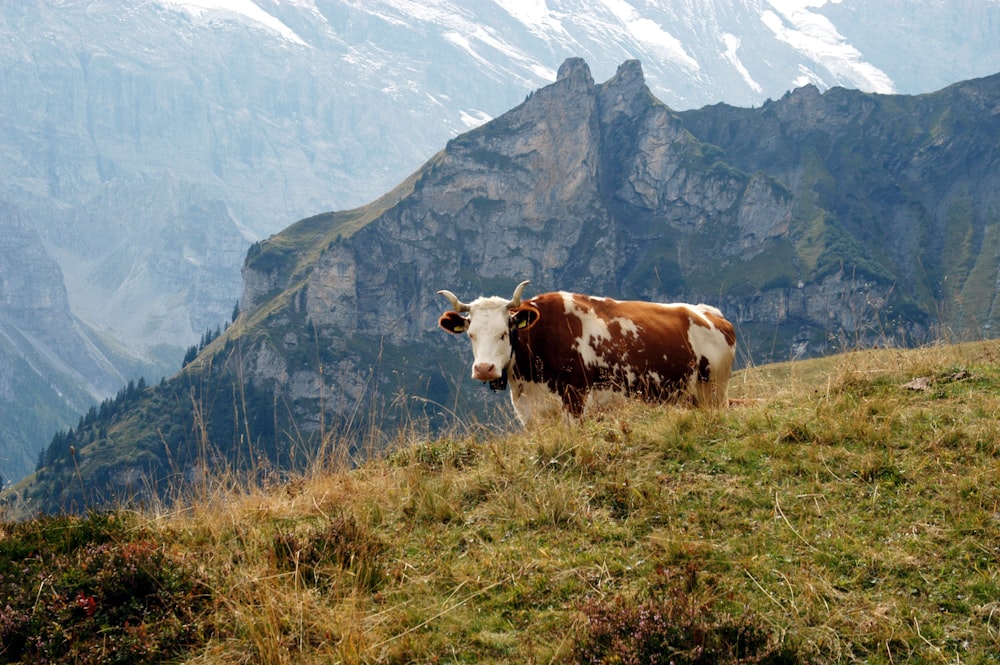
[(847, 510)]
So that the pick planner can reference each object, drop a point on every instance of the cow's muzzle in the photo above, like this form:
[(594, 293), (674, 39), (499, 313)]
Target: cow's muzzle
[(485, 372)]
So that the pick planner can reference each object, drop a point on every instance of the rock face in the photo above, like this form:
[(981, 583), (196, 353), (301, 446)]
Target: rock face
[(902, 192), (816, 223), (47, 357)]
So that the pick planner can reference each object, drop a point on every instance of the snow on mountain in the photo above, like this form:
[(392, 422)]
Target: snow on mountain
[(816, 37), (241, 9), (695, 52), (693, 37), (648, 33), (732, 43)]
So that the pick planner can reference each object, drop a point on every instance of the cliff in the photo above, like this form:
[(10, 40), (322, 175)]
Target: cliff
[(49, 359)]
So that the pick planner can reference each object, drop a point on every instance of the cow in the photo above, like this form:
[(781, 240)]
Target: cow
[(570, 351)]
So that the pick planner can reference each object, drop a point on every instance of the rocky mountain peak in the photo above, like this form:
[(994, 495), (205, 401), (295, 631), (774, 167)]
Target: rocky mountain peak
[(576, 71), (625, 93), (628, 77)]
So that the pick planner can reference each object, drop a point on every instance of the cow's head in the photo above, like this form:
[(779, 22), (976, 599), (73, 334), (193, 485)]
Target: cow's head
[(491, 323)]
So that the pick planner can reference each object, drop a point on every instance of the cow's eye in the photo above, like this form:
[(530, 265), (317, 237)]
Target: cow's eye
[(503, 336)]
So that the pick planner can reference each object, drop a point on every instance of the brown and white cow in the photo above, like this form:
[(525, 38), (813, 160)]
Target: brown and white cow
[(571, 351)]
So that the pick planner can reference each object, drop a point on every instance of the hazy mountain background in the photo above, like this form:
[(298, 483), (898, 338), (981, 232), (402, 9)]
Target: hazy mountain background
[(146, 145), (818, 223)]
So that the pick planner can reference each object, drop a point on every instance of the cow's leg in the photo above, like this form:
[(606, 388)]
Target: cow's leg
[(573, 402), (711, 391), (706, 395)]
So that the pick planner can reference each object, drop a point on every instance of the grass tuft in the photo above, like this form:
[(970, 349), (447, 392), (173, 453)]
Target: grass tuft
[(675, 624)]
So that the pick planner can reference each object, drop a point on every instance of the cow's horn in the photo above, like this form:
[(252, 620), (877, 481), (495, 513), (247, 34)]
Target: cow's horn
[(456, 304), (515, 302)]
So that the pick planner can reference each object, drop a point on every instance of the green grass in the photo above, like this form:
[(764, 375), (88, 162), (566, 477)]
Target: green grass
[(838, 513)]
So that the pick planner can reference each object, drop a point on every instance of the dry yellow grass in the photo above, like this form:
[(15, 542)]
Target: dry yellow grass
[(851, 517)]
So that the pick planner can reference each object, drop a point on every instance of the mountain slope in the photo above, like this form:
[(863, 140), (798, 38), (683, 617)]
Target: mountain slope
[(590, 187), (911, 181), (48, 359)]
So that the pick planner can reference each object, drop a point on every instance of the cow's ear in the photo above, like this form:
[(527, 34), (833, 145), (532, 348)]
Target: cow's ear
[(524, 317), (453, 322)]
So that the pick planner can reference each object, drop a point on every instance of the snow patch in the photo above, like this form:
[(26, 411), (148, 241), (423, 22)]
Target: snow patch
[(649, 32), (458, 25), (242, 9), (534, 15), (463, 43), (474, 118), (816, 37), (807, 76), (732, 43), (549, 74)]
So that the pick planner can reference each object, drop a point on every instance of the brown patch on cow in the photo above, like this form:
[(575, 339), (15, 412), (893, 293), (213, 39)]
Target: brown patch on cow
[(545, 353), (724, 326), (659, 347)]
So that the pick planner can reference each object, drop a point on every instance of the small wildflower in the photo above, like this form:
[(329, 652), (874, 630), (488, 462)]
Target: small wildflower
[(86, 603)]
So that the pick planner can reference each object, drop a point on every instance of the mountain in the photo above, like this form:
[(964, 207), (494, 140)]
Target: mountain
[(147, 145), (817, 222), (903, 189), (35, 367)]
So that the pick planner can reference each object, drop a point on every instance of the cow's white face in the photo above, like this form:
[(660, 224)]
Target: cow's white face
[(489, 324), (488, 327)]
